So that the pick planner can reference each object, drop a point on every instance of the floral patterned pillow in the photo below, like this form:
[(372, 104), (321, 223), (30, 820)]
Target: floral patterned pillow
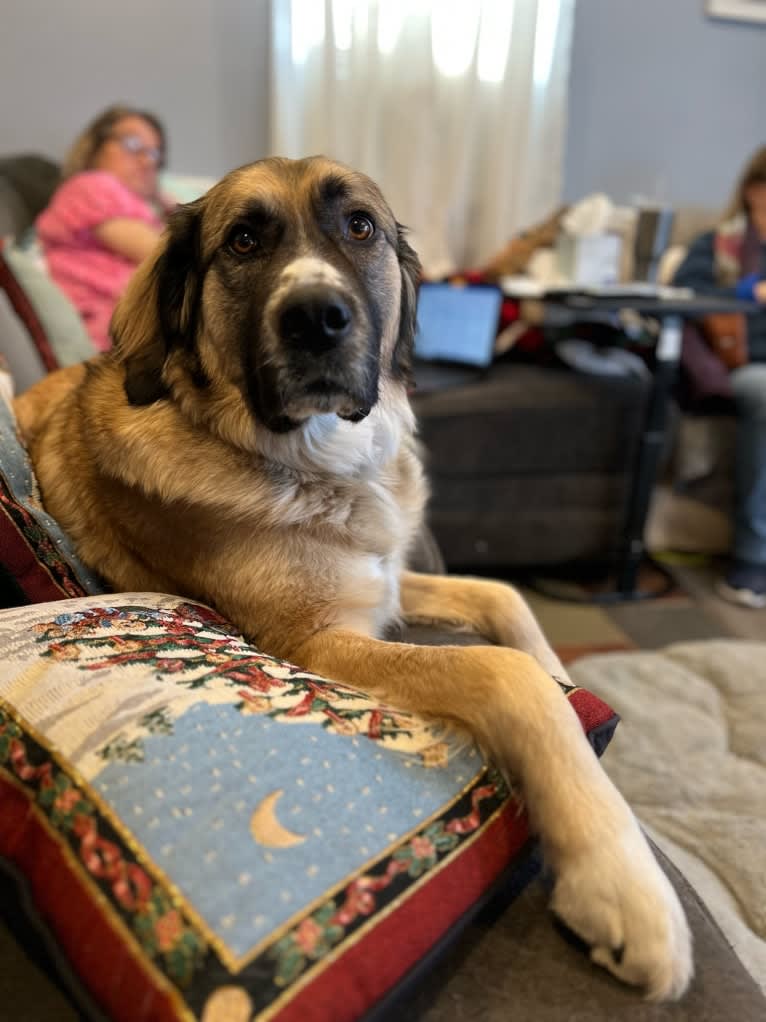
[(206, 832)]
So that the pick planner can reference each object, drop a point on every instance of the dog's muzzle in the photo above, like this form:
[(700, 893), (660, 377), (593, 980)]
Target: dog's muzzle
[(324, 362), (314, 319)]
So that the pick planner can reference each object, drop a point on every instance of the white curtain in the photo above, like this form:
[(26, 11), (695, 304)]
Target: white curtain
[(456, 108)]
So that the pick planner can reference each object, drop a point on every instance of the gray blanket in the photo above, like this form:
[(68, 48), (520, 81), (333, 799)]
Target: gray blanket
[(690, 757)]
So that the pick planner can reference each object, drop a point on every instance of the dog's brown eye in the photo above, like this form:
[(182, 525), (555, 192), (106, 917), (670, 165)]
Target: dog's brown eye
[(360, 227), (242, 241)]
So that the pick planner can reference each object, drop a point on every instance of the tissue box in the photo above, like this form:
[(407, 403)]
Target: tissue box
[(591, 260)]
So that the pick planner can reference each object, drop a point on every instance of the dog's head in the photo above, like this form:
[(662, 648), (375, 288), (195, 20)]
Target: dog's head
[(289, 286)]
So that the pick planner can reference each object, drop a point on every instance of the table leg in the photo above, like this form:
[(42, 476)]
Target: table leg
[(667, 360)]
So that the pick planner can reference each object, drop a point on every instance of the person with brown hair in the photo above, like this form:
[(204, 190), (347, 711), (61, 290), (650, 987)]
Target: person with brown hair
[(107, 214), (732, 260)]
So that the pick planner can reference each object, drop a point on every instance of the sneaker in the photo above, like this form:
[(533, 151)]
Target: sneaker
[(745, 584)]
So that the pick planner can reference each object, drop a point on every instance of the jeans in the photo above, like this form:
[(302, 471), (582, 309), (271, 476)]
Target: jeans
[(749, 386)]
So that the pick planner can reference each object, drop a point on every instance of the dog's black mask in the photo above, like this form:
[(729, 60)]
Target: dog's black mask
[(295, 346)]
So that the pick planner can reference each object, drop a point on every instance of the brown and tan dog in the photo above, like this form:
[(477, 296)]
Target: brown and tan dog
[(249, 443)]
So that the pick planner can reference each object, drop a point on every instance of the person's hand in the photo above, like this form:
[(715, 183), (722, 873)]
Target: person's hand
[(752, 288)]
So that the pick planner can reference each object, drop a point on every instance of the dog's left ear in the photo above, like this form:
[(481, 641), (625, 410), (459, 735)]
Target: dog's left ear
[(160, 308), (409, 265)]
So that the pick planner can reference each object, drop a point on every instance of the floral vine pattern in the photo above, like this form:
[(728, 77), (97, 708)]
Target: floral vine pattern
[(194, 648), (160, 928), (319, 932), (25, 528), (41, 542)]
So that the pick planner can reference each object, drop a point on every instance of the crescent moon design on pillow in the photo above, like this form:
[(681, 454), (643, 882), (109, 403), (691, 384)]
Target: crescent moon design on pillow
[(266, 828)]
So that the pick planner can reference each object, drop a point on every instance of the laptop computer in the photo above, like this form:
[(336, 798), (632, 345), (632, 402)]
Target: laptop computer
[(455, 338)]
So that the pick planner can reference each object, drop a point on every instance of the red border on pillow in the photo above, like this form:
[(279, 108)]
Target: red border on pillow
[(106, 957), (592, 711), (118, 976), (363, 974), (26, 313)]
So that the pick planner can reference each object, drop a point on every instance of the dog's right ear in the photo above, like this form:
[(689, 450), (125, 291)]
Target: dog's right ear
[(411, 270), (159, 309)]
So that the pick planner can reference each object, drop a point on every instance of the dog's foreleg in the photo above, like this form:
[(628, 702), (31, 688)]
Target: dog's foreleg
[(492, 609), (609, 888)]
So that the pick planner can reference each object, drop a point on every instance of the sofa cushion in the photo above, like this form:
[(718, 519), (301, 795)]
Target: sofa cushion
[(530, 466), (52, 322), (525, 419), (184, 188), (204, 830), (528, 520), (16, 348), (27, 182), (517, 966)]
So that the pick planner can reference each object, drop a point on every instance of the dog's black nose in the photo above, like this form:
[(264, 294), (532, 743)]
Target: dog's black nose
[(315, 318)]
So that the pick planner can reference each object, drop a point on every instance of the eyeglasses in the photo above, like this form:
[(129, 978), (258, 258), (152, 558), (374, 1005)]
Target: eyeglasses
[(132, 144)]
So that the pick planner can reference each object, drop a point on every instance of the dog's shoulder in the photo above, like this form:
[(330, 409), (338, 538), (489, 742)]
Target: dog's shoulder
[(35, 406)]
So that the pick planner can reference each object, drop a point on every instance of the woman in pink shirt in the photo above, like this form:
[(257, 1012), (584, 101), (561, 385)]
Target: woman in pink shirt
[(107, 214)]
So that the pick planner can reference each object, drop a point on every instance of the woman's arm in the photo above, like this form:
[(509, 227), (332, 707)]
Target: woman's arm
[(697, 271), (133, 239)]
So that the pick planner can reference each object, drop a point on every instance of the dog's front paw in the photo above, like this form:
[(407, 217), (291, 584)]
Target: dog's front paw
[(618, 900)]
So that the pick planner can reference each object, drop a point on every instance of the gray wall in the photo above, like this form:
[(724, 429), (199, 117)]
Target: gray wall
[(664, 101), (201, 65)]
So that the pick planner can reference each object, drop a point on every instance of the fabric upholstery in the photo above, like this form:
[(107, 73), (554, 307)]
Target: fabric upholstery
[(37, 560), (514, 964), (145, 751), (52, 322), (531, 465), (27, 182), (691, 757)]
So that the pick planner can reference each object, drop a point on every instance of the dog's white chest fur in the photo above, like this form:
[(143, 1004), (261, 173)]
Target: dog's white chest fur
[(369, 508), (378, 534), (369, 600)]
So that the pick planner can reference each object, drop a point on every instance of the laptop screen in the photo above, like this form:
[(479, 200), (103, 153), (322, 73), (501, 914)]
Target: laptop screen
[(457, 324)]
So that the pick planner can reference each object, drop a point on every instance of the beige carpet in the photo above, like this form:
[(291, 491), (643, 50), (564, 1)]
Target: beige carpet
[(690, 757)]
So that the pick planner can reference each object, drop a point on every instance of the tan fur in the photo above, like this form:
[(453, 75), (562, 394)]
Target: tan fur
[(301, 538)]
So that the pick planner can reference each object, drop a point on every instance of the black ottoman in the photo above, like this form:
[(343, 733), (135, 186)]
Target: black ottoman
[(531, 466)]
